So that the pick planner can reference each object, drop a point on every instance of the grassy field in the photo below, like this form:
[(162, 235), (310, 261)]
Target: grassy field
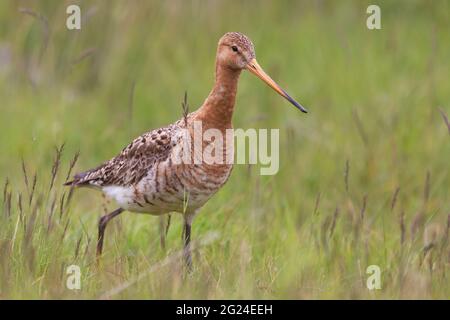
[(364, 177)]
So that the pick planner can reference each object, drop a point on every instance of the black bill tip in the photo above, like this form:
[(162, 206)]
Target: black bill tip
[(295, 103)]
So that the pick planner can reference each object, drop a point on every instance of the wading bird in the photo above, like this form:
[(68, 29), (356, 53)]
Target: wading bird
[(143, 178)]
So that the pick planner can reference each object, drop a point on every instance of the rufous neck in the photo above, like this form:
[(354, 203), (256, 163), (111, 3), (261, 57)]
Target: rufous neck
[(217, 110)]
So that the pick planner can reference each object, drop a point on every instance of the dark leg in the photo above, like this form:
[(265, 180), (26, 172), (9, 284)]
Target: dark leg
[(162, 234), (187, 241), (168, 224), (102, 226), (163, 230)]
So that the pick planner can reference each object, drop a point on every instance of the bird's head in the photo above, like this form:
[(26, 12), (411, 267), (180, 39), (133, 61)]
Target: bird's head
[(236, 51)]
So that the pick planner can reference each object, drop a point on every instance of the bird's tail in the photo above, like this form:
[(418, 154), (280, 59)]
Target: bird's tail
[(78, 180)]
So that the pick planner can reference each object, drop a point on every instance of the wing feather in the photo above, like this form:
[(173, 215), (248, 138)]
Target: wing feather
[(132, 163)]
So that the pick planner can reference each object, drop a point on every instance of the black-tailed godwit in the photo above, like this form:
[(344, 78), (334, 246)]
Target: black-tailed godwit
[(144, 177)]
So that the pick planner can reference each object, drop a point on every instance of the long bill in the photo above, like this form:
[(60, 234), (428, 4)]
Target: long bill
[(256, 69)]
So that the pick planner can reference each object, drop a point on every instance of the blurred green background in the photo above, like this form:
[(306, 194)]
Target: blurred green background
[(364, 176)]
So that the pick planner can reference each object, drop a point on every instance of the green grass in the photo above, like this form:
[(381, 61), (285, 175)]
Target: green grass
[(374, 126)]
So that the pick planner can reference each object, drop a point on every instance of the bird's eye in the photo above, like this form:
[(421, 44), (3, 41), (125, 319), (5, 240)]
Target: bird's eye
[(234, 48)]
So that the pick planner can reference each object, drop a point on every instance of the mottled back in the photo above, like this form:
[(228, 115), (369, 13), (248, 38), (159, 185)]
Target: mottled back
[(133, 162)]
